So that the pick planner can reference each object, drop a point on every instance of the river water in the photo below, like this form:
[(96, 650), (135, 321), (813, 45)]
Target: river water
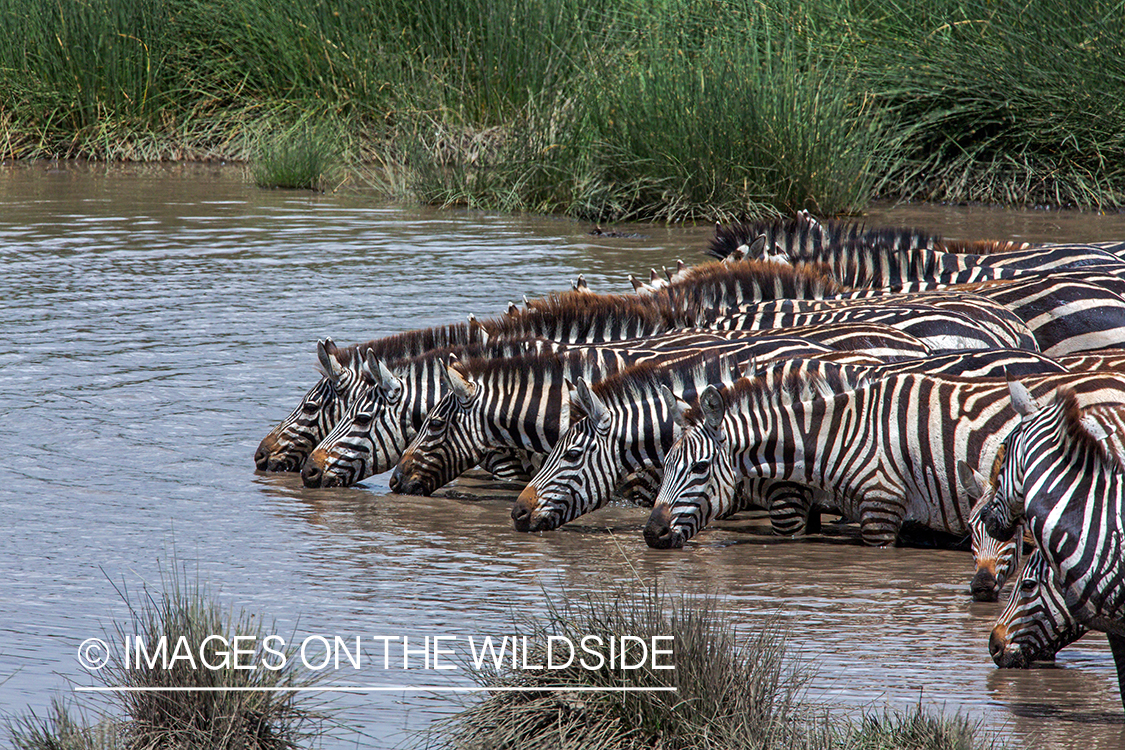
[(156, 322)]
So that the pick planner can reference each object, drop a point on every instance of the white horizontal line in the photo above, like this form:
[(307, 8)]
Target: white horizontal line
[(377, 689)]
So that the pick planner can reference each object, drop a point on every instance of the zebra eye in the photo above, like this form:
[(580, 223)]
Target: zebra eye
[(573, 454), (437, 424), (310, 407), (1029, 585), (700, 467), (362, 418)]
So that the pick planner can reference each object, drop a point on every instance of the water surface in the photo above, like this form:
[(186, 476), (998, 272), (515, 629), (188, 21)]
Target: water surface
[(156, 322)]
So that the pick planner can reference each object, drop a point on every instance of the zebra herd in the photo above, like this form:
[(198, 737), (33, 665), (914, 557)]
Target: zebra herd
[(975, 389)]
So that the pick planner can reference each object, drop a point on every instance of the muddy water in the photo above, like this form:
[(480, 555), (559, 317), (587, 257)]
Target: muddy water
[(155, 323)]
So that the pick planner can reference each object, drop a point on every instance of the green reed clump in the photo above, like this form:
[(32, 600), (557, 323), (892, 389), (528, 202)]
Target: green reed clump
[(57, 729), (305, 155), (733, 690)]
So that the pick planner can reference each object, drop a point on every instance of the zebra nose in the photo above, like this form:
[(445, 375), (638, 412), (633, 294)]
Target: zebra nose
[(396, 480), (984, 587), (312, 475), (658, 531), (524, 507), (261, 458)]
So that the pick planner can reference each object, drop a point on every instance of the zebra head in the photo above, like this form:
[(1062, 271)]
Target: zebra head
[(288, 444), (995, 560), (578, 474), (699, 477), (449, 442), (1036, 624), (369, 437)]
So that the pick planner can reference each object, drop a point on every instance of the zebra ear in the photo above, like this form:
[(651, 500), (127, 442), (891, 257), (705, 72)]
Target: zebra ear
[(713, 406), (580, 284), (1022, 401), (757, 248), (326, 352), (382, 376), (459, 382), (593, 406), (638, 285), (513, 308), (973, 481), (676, 407)]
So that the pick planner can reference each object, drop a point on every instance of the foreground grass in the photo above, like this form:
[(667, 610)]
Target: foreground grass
[(731, 691), (676, 109), (216, 720)]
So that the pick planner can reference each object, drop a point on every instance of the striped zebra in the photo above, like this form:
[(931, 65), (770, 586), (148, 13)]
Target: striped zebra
[(1036, 624), (389, 408), (632, 429), (939, 330), (887, 257), (521, 403), (288, 444), (1065, 311), (718, 290), (1062, 472), (996, 560), (371, 437), (888, 450)]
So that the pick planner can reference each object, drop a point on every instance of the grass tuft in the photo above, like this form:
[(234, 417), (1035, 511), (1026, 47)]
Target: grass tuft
[(734, 690), (304, 156), (59, 730)]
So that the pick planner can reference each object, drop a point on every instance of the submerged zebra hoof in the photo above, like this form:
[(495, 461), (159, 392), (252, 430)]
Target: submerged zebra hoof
[(658, 531)]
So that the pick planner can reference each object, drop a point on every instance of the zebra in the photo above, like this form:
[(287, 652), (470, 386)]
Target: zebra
[(887, 449), (370, 438), (939, 330), (1036, 624), (1062, 471), (520, 402), (886, 257), (389, 408), (623, 425), (619, 429), (1065, 312), (996, 560)]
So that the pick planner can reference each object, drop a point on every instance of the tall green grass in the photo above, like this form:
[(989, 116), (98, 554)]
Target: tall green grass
[(667, 109)]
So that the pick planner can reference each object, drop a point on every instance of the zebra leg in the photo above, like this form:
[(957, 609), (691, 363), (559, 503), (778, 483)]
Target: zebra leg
[(790, 507), (1117, 644), (880, 521)]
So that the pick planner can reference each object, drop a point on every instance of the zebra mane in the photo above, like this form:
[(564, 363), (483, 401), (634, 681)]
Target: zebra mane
[(725, 285), (643, 380), (536, 362), (1072, 416), (587, 317), (979, 247), (413, 343), (496, 348), (789, 381), (805, 239)]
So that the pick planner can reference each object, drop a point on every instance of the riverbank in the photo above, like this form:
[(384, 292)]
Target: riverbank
[(672, 110)]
